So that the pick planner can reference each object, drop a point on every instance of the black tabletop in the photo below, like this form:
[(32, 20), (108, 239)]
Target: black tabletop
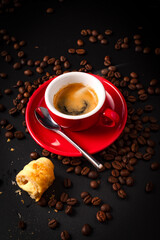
[(48, 33)]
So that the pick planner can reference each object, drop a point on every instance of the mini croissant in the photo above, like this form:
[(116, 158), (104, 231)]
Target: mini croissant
[(36, 177)]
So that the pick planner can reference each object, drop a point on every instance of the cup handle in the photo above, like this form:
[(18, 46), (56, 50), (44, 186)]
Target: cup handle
[(110, 118)]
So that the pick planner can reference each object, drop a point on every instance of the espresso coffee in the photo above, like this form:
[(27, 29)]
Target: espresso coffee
[(75, 99)]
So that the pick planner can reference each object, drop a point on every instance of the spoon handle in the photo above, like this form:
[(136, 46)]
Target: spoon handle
[(91, 159)]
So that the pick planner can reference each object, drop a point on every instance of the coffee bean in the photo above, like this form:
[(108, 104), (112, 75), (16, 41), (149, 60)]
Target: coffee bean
[(109, 216), (78, 170), (71, 50), (3, 123), (65, 235), (9, 134), (64, 197), (115, 173), (107, 165), (21, 224), (16, 46), (34, 155), (8, 91), (94, 184), (85, 171), (17, 65), (75, 162), (66, 64), (149, 186), (87, 199), (84, 194), (86, 229), (147, 156), (67, 183), (112, 179), (92, 39), (66, 161), (8, 58), (21, 54), (157, 51), (96, 201), (12, 111), (39, 70), (129, 181), (45, 153), (155, 165), (59, 205), (72, 201), (101, 216), (131, 99), (68, 209), (84, 32), (70, 169), (49, 10), (108, 32), (157, 91), (122, 194), (93, 174), (80, 51), (80, 42), (143, 97), (116, 186), (105, 207), (52, 202), (28, 72), (146, 50), (42, 202), (52, 224), (19, 135)]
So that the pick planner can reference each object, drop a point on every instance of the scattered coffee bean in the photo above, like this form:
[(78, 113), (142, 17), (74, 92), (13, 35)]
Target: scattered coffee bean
[(155, 165), (64, 197), (68, 209), (2, 107), (94, 184), (67, 183), (45, 153), (96, 201), (86, 229), (65, 235), (52, 224), (59, 205), (49, 10), (116, 186), (93, 174), (101, 216), (129, 181), (105, 207), (85, 171), (42, 202), (122, 194), (72, 201), (34, 155), (109, 216), (52, 202), (19, 135)]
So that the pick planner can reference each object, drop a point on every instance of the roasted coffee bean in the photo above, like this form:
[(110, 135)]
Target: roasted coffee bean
[(107, 165), (21, 224), (16, 46), (17, 65), (147, 156), (108, 32), (3, 75), (155, 165), (84, 194), (65, 235), (93, 174), (71, 50), (150, 150), (157, 91), (59, 205), (150, 90), (154, 127), (52, 224), (72, 201), (133, 161), (143, 97), (75, 162), (45, 153), (112, 179), (96, 201), (124, 173), (20, 54), (122, 194), (42, 202), (80, 51), (94, 184), (49, 10), (28, 72), (3, 123), (87, 199), (78, 170), (138, 155), (68, 209), (9, 134), (157, 51), (66, 64), (80, 42), (117, 165), (149, 186), (115, 173), (4, 53), (85, 171), (12, 111), (19, 135), (141, 140), (39, 70), (52, 202), (84, 32), (64, 197), (70, 169), (146, 50), (129, 181), (34, 155), (66, 161), (116, 186), (105, 207), (86, 229), (101, 216), (109, 216), (92, 39), (104, 41), (9, 126), (67, 183), (8, 58), (131, 99)]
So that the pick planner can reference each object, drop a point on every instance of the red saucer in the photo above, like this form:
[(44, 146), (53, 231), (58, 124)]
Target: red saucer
[(92, 140)]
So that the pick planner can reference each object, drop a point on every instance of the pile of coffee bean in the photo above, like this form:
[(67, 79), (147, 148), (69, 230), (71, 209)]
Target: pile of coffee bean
[(135, 143)]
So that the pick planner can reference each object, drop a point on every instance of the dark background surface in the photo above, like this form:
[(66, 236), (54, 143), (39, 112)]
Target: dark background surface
[(137, 217)]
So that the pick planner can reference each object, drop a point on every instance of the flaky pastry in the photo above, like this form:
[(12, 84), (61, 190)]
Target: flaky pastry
[(36, 177)]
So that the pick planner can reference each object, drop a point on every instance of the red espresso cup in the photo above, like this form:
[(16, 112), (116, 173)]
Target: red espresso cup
[(84, 121)]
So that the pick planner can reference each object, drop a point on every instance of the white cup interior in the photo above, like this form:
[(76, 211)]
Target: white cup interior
[(74, 77)]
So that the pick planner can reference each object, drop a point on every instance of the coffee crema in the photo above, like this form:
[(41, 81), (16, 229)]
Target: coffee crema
[(75, 99)]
